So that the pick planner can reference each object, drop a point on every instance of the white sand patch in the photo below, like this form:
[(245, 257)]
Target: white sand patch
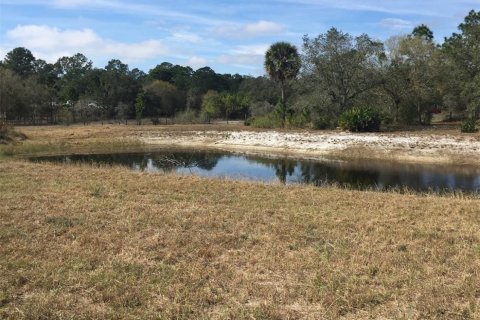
[(425, 148)]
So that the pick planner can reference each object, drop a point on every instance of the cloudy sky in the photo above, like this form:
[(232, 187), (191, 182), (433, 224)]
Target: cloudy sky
[(229, 36)]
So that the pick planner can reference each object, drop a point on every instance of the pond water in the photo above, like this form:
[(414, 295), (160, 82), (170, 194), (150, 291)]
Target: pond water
[(356, 174)]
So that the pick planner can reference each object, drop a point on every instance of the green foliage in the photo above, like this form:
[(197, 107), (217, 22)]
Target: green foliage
[(215, 104), (139, 106), (188, 116), (404, 82), (232, 103), (65, 116), (21, 61), (360, 119), (211, 105), (248, 121), (282, 63), (162, 99), (423, 31), (299, 119), (268, 121), (342, 66), (321, 122), (469, 126)]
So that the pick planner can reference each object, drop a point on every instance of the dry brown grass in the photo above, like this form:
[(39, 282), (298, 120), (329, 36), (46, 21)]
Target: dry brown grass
[(79, 242)]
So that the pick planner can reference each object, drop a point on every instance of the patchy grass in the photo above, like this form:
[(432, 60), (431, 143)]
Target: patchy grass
[(59, 139), (86, 242)]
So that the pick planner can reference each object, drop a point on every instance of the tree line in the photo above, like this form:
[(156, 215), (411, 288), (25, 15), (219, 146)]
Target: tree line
[(405, 79)]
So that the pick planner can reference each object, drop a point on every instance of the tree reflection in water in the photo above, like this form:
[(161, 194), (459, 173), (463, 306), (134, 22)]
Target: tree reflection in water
[(356, 174)]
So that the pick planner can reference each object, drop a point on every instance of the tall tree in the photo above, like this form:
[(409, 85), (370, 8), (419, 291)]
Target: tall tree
[(418, 57), (139, 107), (72, 73), (395, 78), (282, 63), (461, 54), (423, 31), (21, 61), (342, 67), (162, 99), (211, 104), (232, 103)]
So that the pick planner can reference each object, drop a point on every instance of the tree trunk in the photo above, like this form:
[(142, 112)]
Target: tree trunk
[(397, 107), (283, 106), (419, 113)]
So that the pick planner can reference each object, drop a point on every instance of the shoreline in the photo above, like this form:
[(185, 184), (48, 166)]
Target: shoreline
[(432, 149), (445, 147)]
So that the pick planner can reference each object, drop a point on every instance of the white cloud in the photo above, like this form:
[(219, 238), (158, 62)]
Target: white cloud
[(186, 37), (437, 8), (396, 24), (240, 59), (132, 8), (197, 62), (245, 55), (259, 28), (256, 49), (70, 3), (263, 27), (51, 43)]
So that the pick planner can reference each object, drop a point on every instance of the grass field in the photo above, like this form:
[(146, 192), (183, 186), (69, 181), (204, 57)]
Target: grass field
[(82, 242)]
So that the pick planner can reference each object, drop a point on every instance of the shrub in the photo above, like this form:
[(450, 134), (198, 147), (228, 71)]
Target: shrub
[(188, 116), (321, 122), (248, 121), (360, 119), (469, 126), (4, 132), (298, 117), (268, 121), (7, 134), (65, 116)]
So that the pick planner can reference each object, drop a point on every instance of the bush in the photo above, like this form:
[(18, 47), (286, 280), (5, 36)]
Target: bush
[(65, 116), (469, 126), (7, 134), (360, 119), (188, 116), (321, 122), (248, 121), (268, 121), (298, 118)]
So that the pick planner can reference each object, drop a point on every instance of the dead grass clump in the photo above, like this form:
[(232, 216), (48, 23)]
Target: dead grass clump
[(8, 135)]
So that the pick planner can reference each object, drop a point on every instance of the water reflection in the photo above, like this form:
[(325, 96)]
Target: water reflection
[(356, 174)]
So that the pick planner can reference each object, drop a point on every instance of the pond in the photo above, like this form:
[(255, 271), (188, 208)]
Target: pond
[(355, 174)]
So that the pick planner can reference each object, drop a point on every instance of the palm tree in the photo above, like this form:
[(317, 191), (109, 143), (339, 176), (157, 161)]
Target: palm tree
[(282, 64)]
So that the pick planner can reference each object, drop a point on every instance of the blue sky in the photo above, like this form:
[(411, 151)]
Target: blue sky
[(229, 36)]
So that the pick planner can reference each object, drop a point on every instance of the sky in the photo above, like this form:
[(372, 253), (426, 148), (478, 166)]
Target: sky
[(228, 36)]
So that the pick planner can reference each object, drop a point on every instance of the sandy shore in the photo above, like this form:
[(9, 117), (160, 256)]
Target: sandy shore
[(402, 147)]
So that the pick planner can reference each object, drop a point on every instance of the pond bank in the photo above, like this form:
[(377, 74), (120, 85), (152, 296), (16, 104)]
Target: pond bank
[(434, 146), (405, 147)]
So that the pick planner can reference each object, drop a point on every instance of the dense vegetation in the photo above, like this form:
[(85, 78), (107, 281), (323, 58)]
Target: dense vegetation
[(405, 80)]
